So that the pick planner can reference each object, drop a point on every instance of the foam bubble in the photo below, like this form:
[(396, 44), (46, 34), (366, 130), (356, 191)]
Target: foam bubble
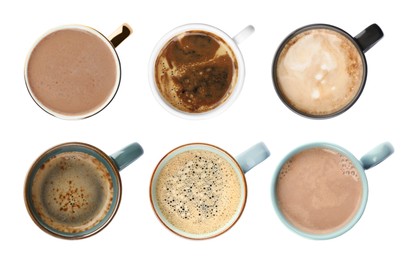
[(315, 93)]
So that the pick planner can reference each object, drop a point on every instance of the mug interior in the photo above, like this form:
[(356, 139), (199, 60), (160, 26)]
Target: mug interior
[(349, 224), (235, 91), (108, 98), (219, 152), (284, 44), (68, 148)]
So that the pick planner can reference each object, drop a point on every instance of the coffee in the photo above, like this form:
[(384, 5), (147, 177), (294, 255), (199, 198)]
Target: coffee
[(319, 72), (73, 72), (319, 190), (198, 191), (72, 192), (196, 71)]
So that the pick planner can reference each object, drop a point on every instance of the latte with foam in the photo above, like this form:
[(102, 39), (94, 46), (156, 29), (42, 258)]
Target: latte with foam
[(72, 192), (199, 192), (319, 190), (319, 72), (196, 71)]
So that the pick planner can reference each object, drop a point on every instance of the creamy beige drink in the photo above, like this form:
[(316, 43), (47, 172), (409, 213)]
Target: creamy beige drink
[(198, 192), (319, 72)]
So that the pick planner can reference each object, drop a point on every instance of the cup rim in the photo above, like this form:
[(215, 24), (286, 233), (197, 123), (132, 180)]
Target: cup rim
[(355, 218), (236, 89), (295, 33), (109, 97), (78, 235), (225, 228)]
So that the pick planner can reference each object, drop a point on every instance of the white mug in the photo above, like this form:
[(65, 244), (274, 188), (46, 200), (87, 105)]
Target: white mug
[(232, 42)]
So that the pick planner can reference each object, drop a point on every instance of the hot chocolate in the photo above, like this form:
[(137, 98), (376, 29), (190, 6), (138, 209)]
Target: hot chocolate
[(318, 190), (73, 72)]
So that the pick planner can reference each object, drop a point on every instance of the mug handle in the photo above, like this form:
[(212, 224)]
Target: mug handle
[(253, 156), (120, 34), (243, 34), (377, 155), (369, 37), (127, 155)]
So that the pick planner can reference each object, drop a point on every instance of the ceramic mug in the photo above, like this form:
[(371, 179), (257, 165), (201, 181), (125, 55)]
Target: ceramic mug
[(199, 191), (320, 190), (73, 190), (319, 70), (73, 71), (197, 70)]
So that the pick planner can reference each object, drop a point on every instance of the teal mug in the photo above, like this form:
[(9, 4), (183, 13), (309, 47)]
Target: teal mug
[(73, 190), (320, 190), (199, 191)]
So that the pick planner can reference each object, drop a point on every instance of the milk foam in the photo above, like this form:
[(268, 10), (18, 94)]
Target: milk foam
[(319, 71), (198, 192)]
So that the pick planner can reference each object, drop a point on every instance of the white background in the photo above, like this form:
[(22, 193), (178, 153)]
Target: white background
[(381, 114)]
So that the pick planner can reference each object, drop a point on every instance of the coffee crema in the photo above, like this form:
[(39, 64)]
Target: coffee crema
[(198, 192), (72, 192), (196, 71), (72, 72), (319, 72), (319, 191)]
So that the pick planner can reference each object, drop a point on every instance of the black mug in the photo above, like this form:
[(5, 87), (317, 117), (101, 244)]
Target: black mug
[(319, 70)]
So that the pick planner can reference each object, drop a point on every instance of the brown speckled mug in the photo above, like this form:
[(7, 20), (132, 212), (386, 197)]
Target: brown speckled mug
[(73, 190)]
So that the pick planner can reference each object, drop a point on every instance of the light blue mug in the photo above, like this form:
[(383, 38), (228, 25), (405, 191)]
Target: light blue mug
[(320, 190), (199, 193), (73, 190)]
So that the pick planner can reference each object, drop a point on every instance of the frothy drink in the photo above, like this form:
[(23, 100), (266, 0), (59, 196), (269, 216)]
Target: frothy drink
[(198, 191), (319, 190), (319, 72), (73, 72), (72, 192), (196, 71)]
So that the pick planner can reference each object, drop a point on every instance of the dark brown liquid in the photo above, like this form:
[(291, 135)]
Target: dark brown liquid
[(196, 71)]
